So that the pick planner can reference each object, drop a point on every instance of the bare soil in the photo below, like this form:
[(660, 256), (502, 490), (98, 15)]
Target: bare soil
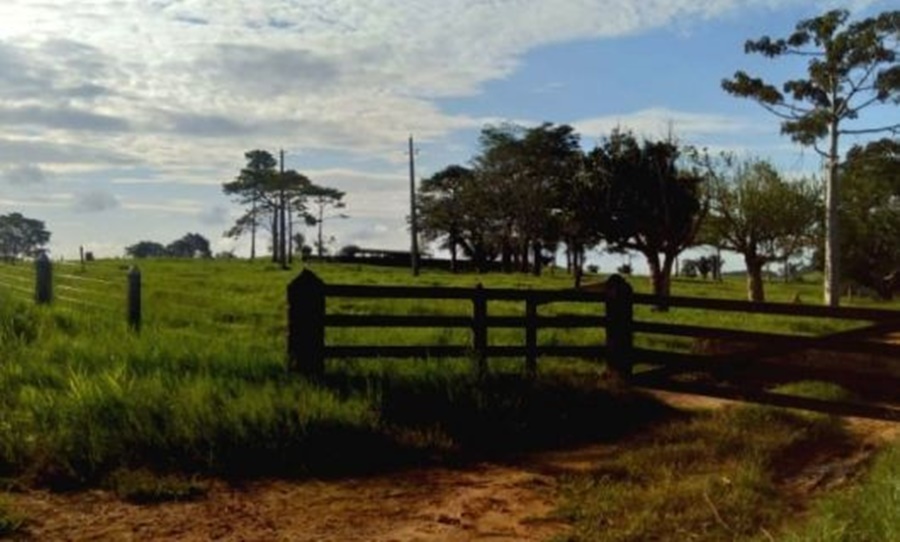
[(487, 501)]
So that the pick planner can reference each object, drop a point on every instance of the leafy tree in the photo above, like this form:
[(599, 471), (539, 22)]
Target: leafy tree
[(192, 245), (526, 169), (761, 216), (322, 199), (444, 212), (274, 198), (870, 213), (851, 66), (646, 202), (21, 236), (146, 249), (251, 188)]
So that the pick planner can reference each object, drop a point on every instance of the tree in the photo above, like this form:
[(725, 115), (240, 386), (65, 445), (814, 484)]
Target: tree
[(870, 213), (146, 249), (250, 187), (274, 198), (191, 245), (323, 198), (443, 212), (851, 67), (21, 236), (759, 215), (646, 202)]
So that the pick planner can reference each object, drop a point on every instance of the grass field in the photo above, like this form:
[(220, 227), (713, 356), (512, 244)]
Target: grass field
[(203, 389)]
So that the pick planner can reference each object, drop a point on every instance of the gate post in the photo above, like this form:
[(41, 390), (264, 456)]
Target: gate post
[(479, 329), (43, 279), (134, 298), (619, 329), (531, 335), (306, 325)]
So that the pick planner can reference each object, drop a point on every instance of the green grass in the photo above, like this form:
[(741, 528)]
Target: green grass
[(869, 512), (203, 390), (711, 477)]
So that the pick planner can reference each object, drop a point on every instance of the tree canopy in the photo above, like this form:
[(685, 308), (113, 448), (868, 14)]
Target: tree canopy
[(851, 66), (21, 237), (648, 201), (761, 216)]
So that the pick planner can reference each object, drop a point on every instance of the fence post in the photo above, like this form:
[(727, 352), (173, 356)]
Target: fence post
[(43, 281), (134, 298), (479, 328), (619, 329), (306, 324), (530, 335)]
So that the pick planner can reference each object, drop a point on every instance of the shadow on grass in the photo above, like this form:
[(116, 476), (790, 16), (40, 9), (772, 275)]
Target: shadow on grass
[(462, 417)]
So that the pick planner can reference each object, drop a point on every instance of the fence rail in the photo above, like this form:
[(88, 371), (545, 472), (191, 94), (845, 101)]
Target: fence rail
[(308, 321)]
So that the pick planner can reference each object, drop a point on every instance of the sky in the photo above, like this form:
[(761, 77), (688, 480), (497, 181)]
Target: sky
[(121, 119)]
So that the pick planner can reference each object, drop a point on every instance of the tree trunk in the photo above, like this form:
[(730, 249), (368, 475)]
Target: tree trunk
[(755, 291), (253, 232), (660, 277), (275, 236), (538, 263), (321, 247), (290, 238), (832, 284), (452, 256)]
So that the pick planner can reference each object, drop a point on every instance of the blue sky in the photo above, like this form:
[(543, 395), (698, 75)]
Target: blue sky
[(121, 119)]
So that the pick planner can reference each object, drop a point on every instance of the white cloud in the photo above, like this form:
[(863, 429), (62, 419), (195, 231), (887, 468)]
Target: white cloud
[(659, 122)]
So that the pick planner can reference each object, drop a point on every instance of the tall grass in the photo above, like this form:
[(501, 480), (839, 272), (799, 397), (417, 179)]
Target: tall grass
[(203, 389)]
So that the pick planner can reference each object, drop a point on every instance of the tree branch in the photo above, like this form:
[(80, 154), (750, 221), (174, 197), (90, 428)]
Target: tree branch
[(893, 128)]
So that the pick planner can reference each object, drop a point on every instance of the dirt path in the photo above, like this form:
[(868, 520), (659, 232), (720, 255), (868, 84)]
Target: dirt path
[(484, 502), (490, 502)]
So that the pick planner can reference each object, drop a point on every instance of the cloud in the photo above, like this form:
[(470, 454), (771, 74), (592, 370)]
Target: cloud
[(24, 175), (268, 71), (659, 122), (95, 201), (62, 118), (23, 151), (214, 216)]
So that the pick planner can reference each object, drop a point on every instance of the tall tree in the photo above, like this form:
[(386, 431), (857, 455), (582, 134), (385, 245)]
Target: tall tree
[(323, 199), (759, 215), (21, 236), (191, 245), (146, 249), (442, 208), (251, 188), (851, 66), (527, 166), (870, 238), (646, 201)]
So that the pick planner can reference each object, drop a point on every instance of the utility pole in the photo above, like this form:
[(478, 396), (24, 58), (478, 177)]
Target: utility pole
[(414, 233), (282, 245)]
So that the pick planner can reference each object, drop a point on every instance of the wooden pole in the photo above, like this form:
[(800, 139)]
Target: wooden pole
[(479, 329), (619, 327), (530, 336), (134, 299), (306, 325), (43, 282), (413, 222)]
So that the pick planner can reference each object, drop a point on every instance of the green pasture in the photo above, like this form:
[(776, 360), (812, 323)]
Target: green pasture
[(203, 390)]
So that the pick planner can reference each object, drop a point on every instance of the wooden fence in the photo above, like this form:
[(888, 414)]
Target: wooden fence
[(753, 351)]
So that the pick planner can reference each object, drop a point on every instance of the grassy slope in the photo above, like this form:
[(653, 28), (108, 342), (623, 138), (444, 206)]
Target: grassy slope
[(202, 388)]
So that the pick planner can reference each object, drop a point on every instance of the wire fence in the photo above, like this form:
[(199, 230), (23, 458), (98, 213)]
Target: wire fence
[(108, 294)]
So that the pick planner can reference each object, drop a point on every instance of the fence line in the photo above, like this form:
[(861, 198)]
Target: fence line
[(85, 279), (749, 350)]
